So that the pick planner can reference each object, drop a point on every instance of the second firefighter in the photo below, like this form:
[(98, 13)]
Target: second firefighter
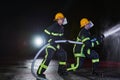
[(85, 50)]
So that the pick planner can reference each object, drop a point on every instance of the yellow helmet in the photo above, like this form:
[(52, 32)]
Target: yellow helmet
[(83, 22), (59, 15)]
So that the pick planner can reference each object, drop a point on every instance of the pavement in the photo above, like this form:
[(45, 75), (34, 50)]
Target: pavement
[(21, 70)]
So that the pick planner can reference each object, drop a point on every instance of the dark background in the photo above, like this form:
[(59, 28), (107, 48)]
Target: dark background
[(21, 20)]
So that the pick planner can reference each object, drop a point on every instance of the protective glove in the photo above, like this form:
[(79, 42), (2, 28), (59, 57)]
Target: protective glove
[(100, 38)]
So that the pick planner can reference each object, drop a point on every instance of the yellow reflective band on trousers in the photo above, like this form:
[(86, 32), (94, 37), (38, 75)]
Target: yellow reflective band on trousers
[(56, 34), (78, 39), (95, 60), (93, 44), (88, 51), (82, 49), (79, 55), (85, 39), (46, 31), (49, 46), (43, 62), (73, 66), (58, 46), (44, 66), (97, 42), (62, 63), (74, 48)]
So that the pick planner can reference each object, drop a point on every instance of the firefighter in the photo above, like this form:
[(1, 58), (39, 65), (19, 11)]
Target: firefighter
[(86, 49), (54, 32)]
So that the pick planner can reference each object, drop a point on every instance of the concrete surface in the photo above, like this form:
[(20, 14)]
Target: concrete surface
[(21, 70)]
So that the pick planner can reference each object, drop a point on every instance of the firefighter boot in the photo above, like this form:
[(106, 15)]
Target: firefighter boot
[(94, 72), (62, 71), (42, 77)]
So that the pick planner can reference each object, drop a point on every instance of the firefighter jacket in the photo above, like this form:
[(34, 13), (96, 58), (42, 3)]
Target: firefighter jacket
[(85, 37), (55, 32)]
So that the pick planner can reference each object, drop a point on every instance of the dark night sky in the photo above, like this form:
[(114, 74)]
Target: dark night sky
[(20, 20)]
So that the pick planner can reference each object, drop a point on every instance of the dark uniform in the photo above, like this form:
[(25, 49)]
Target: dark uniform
[(84, 50), (55, 32)]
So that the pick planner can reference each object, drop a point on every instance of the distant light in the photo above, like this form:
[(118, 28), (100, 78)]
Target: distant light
[(38, 41)]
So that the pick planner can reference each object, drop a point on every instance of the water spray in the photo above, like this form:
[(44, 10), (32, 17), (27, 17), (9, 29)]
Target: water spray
[(111, 31), (112, 43)]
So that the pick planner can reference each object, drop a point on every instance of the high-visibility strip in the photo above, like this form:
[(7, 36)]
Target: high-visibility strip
[(49, 46), (62, 63), (81, 52), (82, 48), (79, 55), (49, 40), (58, 46), (95, 60), (52, 33), (44, 66), (43, 62), (85, 39), (78, 39), (61, 34), (97, 42), (56, 34), (46, 31), (88, 51), (74, 48), (93, 44), (73, 66)]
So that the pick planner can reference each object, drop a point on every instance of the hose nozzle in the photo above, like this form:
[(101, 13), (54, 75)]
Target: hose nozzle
[(102, 36)]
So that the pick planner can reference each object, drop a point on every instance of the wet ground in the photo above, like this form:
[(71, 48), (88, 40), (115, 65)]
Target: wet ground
[(21, 70)]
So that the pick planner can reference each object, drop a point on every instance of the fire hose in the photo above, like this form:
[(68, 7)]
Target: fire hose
[(39, 52)]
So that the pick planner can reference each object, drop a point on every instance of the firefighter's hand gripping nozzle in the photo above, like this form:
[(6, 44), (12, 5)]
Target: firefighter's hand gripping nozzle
[(101, 38)]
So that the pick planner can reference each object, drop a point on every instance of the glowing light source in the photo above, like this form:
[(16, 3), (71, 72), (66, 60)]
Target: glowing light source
[(38, 41)]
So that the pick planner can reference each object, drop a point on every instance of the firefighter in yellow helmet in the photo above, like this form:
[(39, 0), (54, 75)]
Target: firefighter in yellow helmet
[(59, 16), (85, 50), (54, 32), (84, 22)]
